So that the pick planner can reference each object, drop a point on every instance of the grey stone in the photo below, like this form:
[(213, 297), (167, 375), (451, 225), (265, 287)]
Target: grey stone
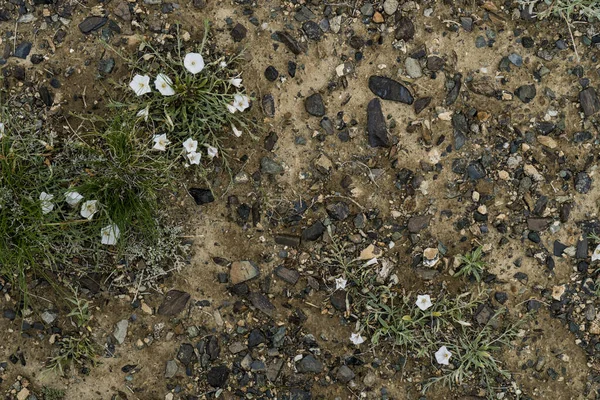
[(171, 369), (261, 302), (413, 68), (22, 50), (390, 6), (376, 127), (526, 93), (274, 369), (309, 364), (590, 104), (292, 44), (314, 231), (270, 167), (173, 303), (91, 24), (418, 223), (120, 331), (217, 376), (583, 182), (314, 105), (345, 374), (289, 275), (49, 317), (186, 354), (242, 271), (389, 89)]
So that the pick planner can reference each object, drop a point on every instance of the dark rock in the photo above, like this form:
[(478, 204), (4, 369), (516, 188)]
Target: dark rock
[(312, 30), (268, 105), (356, 42), (501, 297), (338, 300), (579, 137), (201, 196), (292, 44), (289, 275), (565, 211), (389, 89), (274, 369), (287, 240), (435, 63), (533, 305), (106, 65), (9, 314), (583, 182), (18, 72), (314, 231), (540, 205), (36, 59), (238, 33), (338, 211), (304, 14), (292, 68), (55, 83), (255, 338), (22, 50), (455, 90), (91, 24), (582, 248), (212, 347), (421, 103), (527, 42), (483, 314), (122, 11), (558, 248), (405, 29), (327, 125), (526, 93), (271, 73), (186, 354), (217, 376), (344, 374), (515, 59), (476, 171), (466, 23), (376, 127), (314, 105), (270, 141), (534, 237), (262, 303), (538, 224), (270, 167), (590, 104), (418, 223), (173, 303), (242, 271), (46, 96), (309, 364)]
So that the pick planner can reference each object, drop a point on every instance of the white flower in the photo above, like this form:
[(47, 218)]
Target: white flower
[(212, 151), (237, 82), (144, 112), (73, 198), (442, 356), (231, 108), (1, 129), (140, 84), (222, 64), (355, 338), (89, 208), (193, 62), (596, 254), (47, 205), (110, 234), (164, 85), (423, 302), (241, 102), (340, 283), (190, 145), (236, 131), (194, 157), (161, 142)]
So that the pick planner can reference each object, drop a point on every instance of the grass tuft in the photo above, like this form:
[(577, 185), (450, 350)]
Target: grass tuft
[(472, 264)]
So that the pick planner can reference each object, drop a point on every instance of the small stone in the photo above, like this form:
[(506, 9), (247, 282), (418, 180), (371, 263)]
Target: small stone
[(483, 314), (262, 303), (171, 369), (292, 44), (270, 167), (467, 23), (49, 317), (378, 18), (309, 364), (271, 73), (538, 224), (367, 10), (338, 211), (22, 50), (174, 302), (338, 300), (312, 30), (515, 59), (418, 223), (186, 354), (201, 196), (501, 297), (122, 11), (557, 292), (23, 394), (390, 6), (106, 65), (413, 68), (389, 89), (255, 338), (313, 232), (547, 141), (583, 182), (268, 105), (590, 104), (526, 93), (217, 376), (287, 240), (91, 24), (421, 103), (476, 171), (344, 374), (288, 275), (435, 63), (405, 29), (120, 331), (376, 127), (238, 33), (242, 271), (314, 105)]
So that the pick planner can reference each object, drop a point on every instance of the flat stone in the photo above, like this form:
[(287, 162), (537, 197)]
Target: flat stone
[(526, 93), (483, 314), (583, 182), (239, 32), (49, 317), (91, 24), (338, 211), (413, 68), (538, 224), (389, 89), (314, 231), (455, 90), (405, 29), (476, 171), (173, 303), (390, 6), (171, 369), (122, 11), (376, 127), (242, 271), (292, 44), (309, 364), (22, 50), (312, 30), (217, 376), (261, 302), (120, 331), (435, 63), (270, 167), (273, 370), (289, 275), (338, 300), (588, 99), (287, 240), (268, 105), (421, 103), (314, 105), (186, 354), (418, 223), (201, 196), (345, 374)]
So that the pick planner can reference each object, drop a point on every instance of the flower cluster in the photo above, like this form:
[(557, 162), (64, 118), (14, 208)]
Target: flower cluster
[(193, 63), (109, 234)]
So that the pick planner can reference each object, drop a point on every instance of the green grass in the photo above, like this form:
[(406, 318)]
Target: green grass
[(472, 265), (567, 9), (49, 393)]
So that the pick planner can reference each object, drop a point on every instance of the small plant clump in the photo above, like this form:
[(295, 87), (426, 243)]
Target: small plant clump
[(472, 265), (49, 393), (567, 9)]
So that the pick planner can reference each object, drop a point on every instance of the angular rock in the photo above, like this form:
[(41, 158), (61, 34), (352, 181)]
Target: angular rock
[(588, 99), (255, 338), (173, 303), (292, 44), (526, 93), (389, 89), (289, 275), (405, 29), (309, 364), (242, 271), (91, 24), (261, 302), (274, 369), (476, 171), (338, 211), (171, 369), (238, 33), (201, 196), (344, 374), (22, 50), (376, 127), (186, 354), (268, 105), (538, 224), (217, 376), (314, 231), (413, 68), (421, 103), (314, 105), (583, 182), (312, 30), (455, 91), (418, 223), (120, 331), (287, 240)]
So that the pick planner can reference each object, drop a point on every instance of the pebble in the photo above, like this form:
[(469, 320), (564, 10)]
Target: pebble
[(270, 167), (390, 6), (292, 44), (335, 24), (174, 302), (376, 126), (271, 73), (413, 68), (344, 374), (405, 29), (238, 33), (309, 364), (201, 196), (515, 59), (583, 182), (22, 50), (590, 104), (389, 89), (313, 232), (312, 30), (91, 24), (120, 331), (242, 271), (314, 105), (218, 376)]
